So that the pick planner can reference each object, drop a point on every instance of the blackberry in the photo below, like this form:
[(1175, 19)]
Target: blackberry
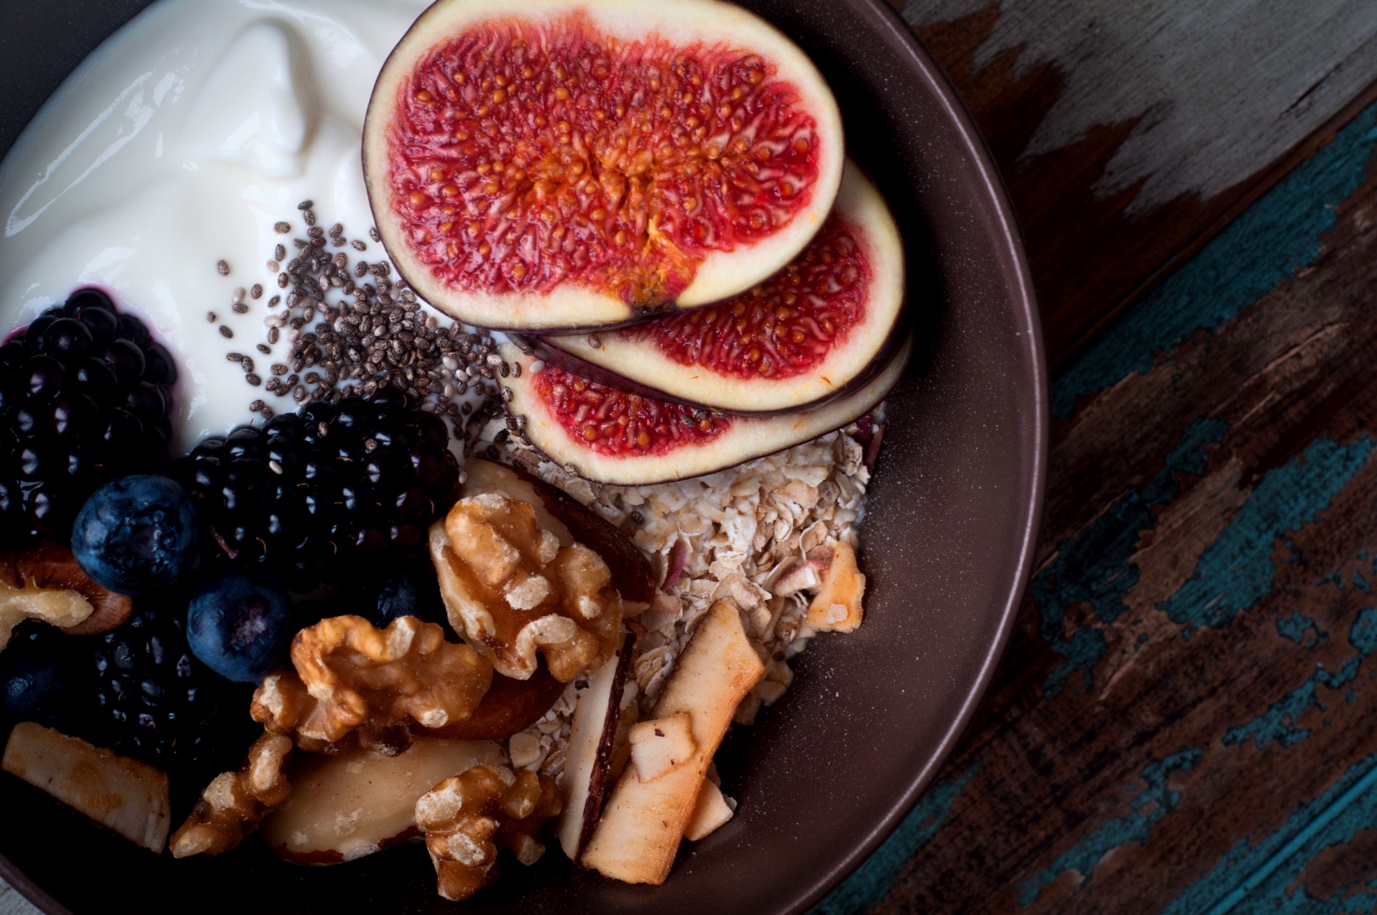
[(310, 496), (156, 702), (85, 396)]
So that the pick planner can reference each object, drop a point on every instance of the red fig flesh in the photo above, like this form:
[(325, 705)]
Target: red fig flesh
[(560, 164), (605, 434), (806, 335)]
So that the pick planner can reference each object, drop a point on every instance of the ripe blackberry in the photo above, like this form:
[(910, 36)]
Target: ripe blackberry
[(309, 496), (85, 396), (156, 702)]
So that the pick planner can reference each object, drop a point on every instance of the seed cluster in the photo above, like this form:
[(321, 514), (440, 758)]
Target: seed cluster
[(353, 329)]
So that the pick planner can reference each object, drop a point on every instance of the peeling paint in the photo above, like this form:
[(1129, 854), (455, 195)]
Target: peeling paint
[(1280, 722), (1264, 875), (1237, 569), (1265, 245), (1155, 801), (1094, 567)]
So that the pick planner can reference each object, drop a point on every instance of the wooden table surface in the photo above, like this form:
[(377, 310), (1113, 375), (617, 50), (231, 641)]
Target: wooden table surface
[(1183, 719)]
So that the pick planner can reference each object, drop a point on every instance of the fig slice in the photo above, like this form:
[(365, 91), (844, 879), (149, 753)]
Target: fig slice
[(579, 424), (561, 164), (808, 334)]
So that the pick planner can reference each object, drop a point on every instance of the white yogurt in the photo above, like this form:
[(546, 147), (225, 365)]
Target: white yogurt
[(179, 142)]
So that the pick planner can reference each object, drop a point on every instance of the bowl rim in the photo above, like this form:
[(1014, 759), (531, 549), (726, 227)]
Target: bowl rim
[(886, 20)]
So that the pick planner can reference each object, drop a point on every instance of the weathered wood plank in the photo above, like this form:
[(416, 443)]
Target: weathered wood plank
[(1129, 133), (1182, 722)]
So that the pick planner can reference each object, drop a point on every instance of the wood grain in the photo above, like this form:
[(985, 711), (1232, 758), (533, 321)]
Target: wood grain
[(1129, 134), (1182, 722)]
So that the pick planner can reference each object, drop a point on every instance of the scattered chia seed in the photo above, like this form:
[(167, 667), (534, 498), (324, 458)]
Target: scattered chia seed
[(305, 205), (212, 317), (222, 268), (240, 308), (370, 335), (257, 291), (282, 228), (226, 332)]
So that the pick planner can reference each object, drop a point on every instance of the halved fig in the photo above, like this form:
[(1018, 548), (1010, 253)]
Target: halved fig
[(570, 521), (808, 334), (586, 163), (605, 434)]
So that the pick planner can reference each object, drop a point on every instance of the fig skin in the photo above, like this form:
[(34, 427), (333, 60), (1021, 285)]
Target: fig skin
[(636, 293), (635, 363), (746, 438)]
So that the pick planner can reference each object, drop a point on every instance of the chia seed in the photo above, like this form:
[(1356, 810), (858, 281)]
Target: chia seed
[(253, 379), (226, 332), (282, 228), (222, 268)]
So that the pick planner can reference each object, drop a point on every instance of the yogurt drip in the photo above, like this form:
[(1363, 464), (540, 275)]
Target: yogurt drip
[(181, 142)]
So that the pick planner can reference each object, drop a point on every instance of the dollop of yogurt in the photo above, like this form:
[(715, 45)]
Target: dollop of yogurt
[(179, 143)]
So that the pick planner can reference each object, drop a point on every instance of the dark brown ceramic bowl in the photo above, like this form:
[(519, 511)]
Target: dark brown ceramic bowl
[(831, 770)]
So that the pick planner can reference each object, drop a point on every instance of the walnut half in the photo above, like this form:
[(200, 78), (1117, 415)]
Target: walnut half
[(351, 675), (234, 802), (512, 591), (466, 819)]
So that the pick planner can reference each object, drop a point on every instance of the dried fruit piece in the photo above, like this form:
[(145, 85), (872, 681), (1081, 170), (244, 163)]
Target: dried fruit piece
[(641, 828), (837, 605), (358, 802), (561, 164), (710, 811), (512, 591), (124, 795), (607, 435), (806, 335), (349, 674), (45, 582), (234, 802), (468, 817)]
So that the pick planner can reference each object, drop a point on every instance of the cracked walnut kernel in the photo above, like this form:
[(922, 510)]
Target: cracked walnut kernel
[(466, 819), (235, 802), (350, 675), (512, 591)]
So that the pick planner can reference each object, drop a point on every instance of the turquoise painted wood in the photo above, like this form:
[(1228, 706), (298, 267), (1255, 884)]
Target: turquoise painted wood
[(1184, 720)]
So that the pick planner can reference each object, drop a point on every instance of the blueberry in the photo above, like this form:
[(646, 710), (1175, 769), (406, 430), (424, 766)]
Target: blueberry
[(137, 535), (44, 677), (240, 627), (410, 591)]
